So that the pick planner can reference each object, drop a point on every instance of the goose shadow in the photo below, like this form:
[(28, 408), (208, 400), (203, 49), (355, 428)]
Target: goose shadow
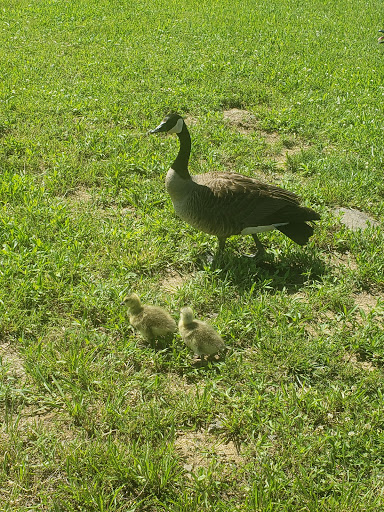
[(289, 271)]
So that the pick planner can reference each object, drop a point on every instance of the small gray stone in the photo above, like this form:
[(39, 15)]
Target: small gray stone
[(355, 219)]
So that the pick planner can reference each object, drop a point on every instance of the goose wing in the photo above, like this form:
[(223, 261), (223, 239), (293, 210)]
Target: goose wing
[(232, 202), (227, 184)]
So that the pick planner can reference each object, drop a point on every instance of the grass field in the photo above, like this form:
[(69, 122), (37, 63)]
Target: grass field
[(93, 419)]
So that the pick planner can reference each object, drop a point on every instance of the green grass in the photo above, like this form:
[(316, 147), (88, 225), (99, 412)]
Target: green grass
[(95, 420)]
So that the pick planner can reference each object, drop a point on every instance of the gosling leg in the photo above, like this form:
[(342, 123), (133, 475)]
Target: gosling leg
[(149, 336)]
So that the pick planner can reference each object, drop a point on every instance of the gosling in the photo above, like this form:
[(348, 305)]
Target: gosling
[(199, 336), (151, 321)]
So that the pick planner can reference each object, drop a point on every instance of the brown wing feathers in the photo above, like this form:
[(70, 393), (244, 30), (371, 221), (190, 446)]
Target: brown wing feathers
[(245, 202)]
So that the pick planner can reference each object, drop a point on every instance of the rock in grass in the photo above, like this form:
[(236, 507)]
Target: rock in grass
[(355, 219)]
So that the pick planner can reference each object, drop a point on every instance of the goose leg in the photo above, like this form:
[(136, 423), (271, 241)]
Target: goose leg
[(260, 251), (221, 244), (219, 253)]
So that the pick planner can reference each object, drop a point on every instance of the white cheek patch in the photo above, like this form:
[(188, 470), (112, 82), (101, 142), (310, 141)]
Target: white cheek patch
[(178, 127), (262, 229)]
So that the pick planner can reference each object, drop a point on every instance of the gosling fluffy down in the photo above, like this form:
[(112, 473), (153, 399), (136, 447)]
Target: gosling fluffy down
[(151, 321), (199, 336)]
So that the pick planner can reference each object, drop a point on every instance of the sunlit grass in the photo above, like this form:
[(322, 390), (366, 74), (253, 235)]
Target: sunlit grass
[(93, 418)]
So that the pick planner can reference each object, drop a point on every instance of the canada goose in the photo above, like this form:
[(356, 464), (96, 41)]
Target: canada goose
[(150, 321), (199, 336), (381, 38), (225, 204)]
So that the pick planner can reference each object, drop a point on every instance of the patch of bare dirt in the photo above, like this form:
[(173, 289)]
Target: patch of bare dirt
[(354, 219), (190, 120), (278, 154), (367, 302), (27, 417), (242, 120), (32, 417), (79, 195), (322, 326), (127, 210), (199, 449), (245, 122), (12, 360), (173, 280), (178, 385), (113, 211), (271, 138), (339, 261), (30, 420), (311, 330), (282, 158), (364, 365)]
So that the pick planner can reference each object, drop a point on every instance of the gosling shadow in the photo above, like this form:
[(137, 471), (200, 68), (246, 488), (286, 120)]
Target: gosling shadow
[(212, 359)]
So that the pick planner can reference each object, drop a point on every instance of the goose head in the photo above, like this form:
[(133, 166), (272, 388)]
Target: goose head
[(172, 123)]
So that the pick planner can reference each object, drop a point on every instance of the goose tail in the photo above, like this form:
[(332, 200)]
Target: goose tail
[(299, 232)]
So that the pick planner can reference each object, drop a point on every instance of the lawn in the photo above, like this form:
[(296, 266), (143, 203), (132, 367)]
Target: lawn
[(93, 418)]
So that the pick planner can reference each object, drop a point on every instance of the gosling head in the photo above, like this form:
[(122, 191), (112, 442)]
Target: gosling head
[(186, 315), (131, 301), (172, 123)]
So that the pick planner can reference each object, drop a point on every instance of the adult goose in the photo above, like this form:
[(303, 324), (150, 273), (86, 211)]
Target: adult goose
[(381, 38), (225, 204)]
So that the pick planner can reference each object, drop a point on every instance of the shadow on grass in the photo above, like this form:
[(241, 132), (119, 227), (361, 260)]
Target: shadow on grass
[(174, 358), (290, 271)]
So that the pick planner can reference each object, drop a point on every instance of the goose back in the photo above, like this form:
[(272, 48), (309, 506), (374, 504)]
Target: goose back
[(225, 204)]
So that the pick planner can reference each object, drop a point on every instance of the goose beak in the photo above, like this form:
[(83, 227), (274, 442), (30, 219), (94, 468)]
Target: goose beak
[(161, 128)]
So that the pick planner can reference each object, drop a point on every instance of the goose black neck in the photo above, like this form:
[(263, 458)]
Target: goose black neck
[(180, 165)]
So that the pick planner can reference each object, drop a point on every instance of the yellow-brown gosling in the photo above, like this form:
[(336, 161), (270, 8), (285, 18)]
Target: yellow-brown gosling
[(199, 336), (151, 321)]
